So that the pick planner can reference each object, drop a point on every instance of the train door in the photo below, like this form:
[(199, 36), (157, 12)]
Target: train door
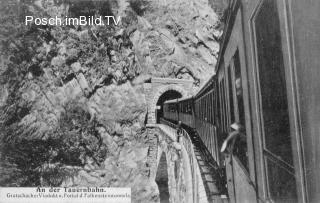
[(239, 162)]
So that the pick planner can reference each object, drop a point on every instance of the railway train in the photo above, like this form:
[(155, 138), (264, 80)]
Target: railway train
[(267, 81)]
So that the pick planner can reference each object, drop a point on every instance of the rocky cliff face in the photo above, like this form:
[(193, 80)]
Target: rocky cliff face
[(178, 39), (82, 87)]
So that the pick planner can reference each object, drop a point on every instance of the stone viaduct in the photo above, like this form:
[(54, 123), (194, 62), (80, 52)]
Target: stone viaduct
[(174, 166)]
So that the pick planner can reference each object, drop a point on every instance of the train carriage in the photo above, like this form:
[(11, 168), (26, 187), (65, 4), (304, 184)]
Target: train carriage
[(170, 110), (281, 43), (185, 110), (233, 107), (205, 118), (180, 110)]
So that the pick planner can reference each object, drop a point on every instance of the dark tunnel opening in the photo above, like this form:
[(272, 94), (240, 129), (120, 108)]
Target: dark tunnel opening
[(168, 95)]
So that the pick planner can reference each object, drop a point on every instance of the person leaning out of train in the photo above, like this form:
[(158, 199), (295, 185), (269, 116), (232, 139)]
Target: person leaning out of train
[(179, 132), (237, 131), (177, 144)]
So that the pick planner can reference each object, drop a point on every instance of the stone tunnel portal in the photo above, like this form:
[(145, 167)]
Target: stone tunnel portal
[(168, 95)]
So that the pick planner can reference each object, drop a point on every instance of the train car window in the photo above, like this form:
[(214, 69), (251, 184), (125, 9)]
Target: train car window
[(182, 107), (201, 109), (208, 111), (196, 108), (224, 113), (200, 112), (277, 142), (181, 104), (210, 107), (221, 108), (218, 114), (199, 101), (214, 108), (238, 89), (206, 108), (231, 104), (186, 107), (240, 148)]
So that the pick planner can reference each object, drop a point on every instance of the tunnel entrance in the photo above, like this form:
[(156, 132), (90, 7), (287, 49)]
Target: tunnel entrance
[(162, 179), (168, 95)]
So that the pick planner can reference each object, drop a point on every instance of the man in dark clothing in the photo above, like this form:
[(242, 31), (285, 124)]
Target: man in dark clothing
[(179, 132)]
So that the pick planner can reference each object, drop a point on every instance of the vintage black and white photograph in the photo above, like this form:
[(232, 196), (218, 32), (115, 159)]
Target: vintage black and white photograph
[(160, 101)]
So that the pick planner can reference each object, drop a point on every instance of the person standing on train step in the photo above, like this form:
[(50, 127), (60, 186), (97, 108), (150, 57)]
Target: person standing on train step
[(179, 132), (236, 130), (179, 139)]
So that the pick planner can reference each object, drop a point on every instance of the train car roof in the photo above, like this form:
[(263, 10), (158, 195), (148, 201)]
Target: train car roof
[(177, 100), (229, 21), (205, 86), (232, 8)]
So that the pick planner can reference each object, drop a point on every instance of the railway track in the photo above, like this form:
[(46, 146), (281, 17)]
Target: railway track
[(211, 174)]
